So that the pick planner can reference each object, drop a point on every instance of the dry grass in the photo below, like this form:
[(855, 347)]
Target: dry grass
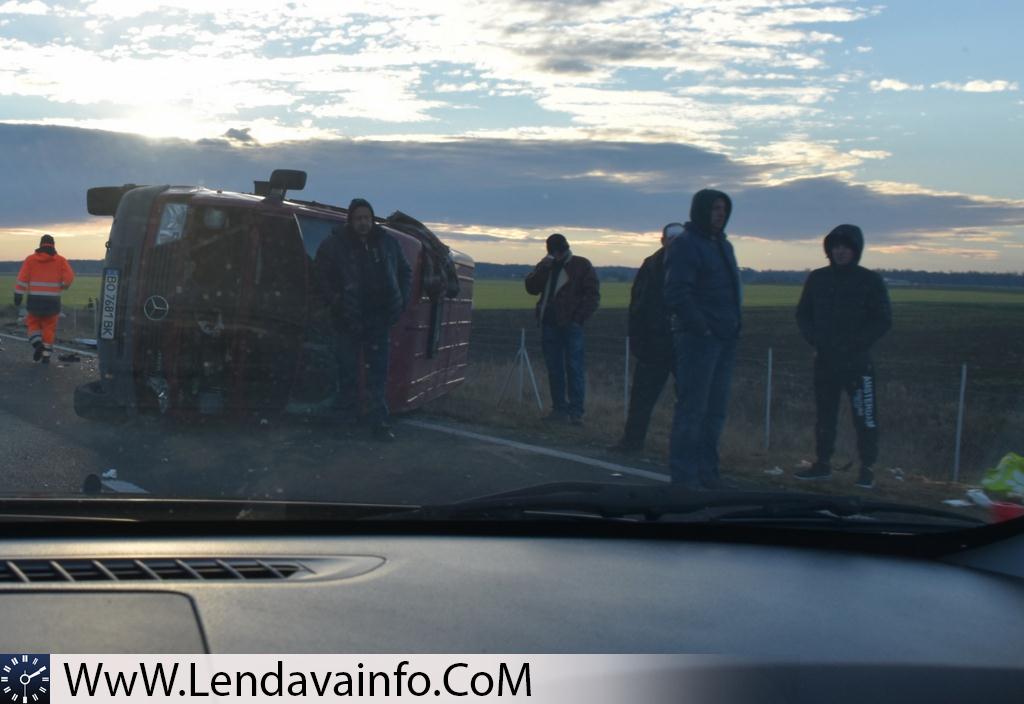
[(917, 442)]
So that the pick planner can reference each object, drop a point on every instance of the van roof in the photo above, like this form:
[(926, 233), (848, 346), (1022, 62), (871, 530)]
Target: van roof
[(208, 196)]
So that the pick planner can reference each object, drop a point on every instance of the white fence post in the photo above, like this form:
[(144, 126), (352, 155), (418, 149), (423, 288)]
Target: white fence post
[(768, 405), (522, 367), (625, 385), (960, 422), (522, 364)]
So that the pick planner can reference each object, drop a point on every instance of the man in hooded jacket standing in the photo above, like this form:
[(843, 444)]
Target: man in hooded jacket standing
[(703, 295), (843, 311), (43, 276), (365, 279), (650, 341)]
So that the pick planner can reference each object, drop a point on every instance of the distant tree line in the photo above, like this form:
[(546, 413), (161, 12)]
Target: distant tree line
[(895, 277), (80, 266)]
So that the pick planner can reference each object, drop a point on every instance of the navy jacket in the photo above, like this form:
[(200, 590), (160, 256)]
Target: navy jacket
[(650, 337), (703, 292), (341, 276)]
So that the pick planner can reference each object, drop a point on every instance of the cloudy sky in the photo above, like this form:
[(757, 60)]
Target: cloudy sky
[(500, 121)]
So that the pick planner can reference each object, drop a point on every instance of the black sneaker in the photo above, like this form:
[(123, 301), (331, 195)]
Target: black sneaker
[(866, 479), (817, 471), (624, 448), (37, 352), (46, 359)]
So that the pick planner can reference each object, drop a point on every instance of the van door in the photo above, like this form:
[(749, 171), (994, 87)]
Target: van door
[(316, 381)]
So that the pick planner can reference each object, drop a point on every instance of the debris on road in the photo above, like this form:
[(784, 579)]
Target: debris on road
[(979, 497), (774, 472), (110, 474)]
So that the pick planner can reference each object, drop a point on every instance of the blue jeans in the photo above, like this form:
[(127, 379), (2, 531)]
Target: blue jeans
[(703, 378), (563, 354)]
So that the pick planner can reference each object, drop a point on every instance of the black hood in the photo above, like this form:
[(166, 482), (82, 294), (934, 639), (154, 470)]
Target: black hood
[(851, 235), (361, 203), (700, 208)]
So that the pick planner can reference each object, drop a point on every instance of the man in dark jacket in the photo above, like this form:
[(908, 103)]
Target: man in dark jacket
[(569, 295), (843, 311), (703, 295), (650, 341), (365, 279)]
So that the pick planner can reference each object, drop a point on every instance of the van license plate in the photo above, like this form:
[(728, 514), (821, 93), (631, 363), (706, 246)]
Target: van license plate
[(108, 303)]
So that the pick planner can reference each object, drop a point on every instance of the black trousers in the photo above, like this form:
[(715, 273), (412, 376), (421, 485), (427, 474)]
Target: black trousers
[(830, 381), (370, 348), (648, 381)]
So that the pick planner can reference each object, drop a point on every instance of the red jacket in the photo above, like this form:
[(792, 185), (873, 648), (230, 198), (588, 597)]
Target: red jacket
[(577, 291), (43, 276)]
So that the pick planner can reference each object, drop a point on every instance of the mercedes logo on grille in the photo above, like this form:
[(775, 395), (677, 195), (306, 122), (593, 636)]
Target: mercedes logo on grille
[(156, 308)]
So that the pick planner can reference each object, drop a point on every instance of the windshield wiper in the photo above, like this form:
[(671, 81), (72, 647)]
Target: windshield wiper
[(651, 503), (143, 510)]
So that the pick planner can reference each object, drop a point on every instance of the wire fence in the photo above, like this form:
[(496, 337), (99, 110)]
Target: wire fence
[(950, 418), (946, 418)]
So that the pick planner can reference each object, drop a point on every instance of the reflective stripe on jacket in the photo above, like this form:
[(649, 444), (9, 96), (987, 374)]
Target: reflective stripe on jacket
[(43, 277)]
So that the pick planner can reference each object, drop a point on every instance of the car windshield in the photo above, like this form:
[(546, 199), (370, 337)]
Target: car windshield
[(751, 262)]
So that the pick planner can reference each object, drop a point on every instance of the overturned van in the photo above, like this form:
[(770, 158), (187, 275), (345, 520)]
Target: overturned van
[(209, 305)]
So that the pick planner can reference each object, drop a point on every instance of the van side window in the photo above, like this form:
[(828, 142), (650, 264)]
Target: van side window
[(314, 231), (172, 223)]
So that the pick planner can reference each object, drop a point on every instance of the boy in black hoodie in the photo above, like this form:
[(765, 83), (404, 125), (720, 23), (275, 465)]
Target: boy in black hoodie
[(843, 311)]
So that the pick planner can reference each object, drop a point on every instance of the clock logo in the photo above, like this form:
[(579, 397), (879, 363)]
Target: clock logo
[(25, 679)]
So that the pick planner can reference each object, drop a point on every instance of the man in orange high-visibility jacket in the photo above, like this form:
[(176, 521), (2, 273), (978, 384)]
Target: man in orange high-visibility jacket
[(43, 276)]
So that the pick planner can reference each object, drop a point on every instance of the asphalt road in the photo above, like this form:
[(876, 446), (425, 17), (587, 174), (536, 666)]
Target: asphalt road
[(47, 449)]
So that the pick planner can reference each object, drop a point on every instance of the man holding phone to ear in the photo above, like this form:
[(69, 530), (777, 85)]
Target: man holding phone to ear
[(569, 294)]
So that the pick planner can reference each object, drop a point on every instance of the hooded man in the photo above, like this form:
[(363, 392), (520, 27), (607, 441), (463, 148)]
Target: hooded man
[(365, 279), (650, 341), (569, 294), (43, 276), (703, 295), (843, 311)]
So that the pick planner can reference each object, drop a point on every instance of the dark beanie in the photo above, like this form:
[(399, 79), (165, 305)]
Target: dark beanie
[(46, 240), (360, 203), (557, 243)]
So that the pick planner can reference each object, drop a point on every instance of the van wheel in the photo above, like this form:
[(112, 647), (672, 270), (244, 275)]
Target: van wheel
[(92, 403)]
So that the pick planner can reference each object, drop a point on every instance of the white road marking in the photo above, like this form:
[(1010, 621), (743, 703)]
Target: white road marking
[(538, 450), (84, 353)]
